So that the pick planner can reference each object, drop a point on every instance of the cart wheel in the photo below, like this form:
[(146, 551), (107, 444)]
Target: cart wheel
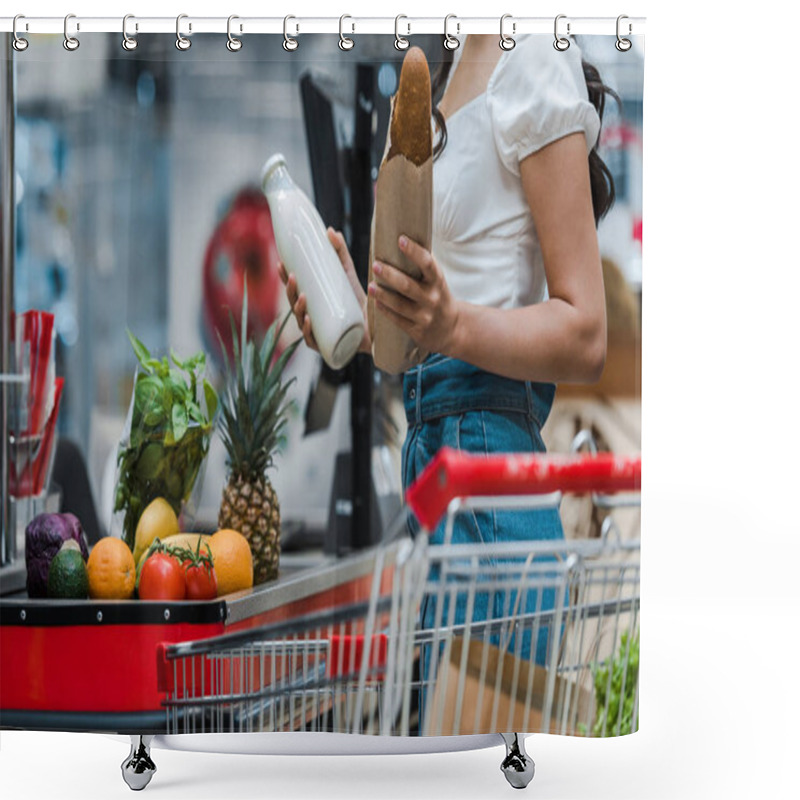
[(517, 766), (138, 768)]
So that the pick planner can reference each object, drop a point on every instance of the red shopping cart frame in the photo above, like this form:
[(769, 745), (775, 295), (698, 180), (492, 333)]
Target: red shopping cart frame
[(453, 473)]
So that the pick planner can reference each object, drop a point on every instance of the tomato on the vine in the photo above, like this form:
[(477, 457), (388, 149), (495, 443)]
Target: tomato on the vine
[(162, 578), (201, 581), (198, 566)]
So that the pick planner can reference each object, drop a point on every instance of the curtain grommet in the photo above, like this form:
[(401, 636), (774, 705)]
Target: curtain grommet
[(622, 44), (70, 43), (129, 43), (233, 44), (18, 43), (345, 42), (450, 42), (507, 42), (400, 42), (181, 42), (561, 43), (290, 44)]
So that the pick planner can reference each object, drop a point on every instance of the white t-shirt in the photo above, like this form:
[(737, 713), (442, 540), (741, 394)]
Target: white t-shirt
[(484, 238)]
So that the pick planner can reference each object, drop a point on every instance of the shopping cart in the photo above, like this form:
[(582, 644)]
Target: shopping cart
[(553, 649)]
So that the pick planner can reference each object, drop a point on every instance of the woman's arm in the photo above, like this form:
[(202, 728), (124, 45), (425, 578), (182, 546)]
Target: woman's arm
[(561, 339)]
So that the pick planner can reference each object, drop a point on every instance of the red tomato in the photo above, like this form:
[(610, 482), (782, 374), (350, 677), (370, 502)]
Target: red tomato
[(162, 578), (201, 582)]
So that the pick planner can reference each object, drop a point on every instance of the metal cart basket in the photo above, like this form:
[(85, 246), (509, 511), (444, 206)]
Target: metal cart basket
[(461, 639)]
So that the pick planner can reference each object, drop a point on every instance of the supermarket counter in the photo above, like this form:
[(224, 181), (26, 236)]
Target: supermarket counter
[(112, 648)]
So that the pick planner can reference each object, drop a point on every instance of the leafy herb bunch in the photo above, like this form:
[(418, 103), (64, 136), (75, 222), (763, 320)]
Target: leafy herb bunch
[(615, 684), (171, 420)]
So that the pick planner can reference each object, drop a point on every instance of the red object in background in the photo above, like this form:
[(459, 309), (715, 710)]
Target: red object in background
[(621, 135), (32, 455), (33, 339), (242, 247), (637, 230)]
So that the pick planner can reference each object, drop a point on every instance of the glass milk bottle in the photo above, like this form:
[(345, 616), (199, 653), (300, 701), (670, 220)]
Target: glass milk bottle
[(337, 320)]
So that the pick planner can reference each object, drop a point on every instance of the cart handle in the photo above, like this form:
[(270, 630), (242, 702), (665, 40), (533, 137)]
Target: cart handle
[(453, 473)]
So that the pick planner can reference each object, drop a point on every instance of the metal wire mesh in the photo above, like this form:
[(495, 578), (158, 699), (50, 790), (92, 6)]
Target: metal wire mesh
[(524, 636)]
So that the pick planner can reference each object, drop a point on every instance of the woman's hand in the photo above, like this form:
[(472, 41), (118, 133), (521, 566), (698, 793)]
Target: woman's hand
[(298, 300), (423, 308)]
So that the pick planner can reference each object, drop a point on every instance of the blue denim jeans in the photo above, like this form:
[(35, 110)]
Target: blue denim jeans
[(450, 403)]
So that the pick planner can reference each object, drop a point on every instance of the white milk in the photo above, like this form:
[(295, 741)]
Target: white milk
[(337, 320)]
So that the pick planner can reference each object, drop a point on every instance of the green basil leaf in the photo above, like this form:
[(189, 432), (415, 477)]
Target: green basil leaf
[(147, 393), (175, 360), (212, 400), (195, 412), (191, 365), (155, 416), (180, 421), (178, 383), (142, 353)]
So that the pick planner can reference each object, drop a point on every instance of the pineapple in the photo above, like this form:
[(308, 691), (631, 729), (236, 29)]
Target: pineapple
[(251, 424)]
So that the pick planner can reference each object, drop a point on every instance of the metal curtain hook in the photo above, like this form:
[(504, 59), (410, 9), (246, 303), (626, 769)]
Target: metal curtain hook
[(289, 43), (506, 41), (450, 42), (623, 45), (128, 42), (233, 44), (345, 43), (561, 43), (19, 44), (70, 42), (181, 42), (400, 42)]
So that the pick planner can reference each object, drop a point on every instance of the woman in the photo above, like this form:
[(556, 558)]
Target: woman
[(511, 299)]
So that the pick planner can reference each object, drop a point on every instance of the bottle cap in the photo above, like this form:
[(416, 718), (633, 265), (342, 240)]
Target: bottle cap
[(273, 162)]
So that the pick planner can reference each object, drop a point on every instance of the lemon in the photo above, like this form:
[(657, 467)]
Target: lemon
[(157, 520)]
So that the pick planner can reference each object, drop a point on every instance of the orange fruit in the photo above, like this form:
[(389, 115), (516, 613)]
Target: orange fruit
[(233, 561), (111, 570)]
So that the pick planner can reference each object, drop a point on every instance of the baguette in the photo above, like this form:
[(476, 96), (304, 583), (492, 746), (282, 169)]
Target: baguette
[(410, 128), (403, 203)]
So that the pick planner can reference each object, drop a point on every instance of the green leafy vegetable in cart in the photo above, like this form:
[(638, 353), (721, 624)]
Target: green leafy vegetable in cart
[(172, 415), (615, 688)]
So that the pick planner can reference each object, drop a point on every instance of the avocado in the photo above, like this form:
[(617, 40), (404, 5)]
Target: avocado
[(68, 577)]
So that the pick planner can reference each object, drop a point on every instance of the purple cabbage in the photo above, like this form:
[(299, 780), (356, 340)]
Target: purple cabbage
[(44, 537)]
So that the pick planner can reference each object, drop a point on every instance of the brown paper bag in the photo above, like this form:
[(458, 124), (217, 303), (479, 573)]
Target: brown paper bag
[(479, 698), (403, 205)]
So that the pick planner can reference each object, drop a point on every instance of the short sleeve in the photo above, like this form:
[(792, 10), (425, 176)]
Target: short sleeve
[(538, 95)]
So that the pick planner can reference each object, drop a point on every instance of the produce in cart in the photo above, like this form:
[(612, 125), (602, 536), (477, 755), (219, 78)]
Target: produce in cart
[(616, 683), (254, 410), (167, 436)]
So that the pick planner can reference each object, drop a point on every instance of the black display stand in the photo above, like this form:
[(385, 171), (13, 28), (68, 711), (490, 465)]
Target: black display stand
[(342, 178)]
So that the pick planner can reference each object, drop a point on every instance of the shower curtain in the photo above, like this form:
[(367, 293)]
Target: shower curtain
[(471, 243)]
